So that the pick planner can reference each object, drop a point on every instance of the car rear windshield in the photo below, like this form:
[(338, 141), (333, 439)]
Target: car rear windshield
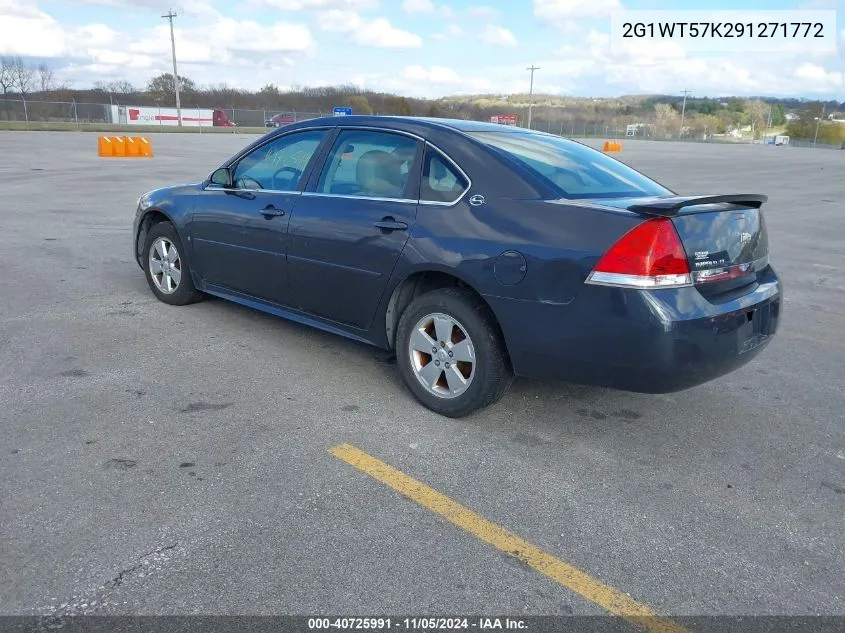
[(575, 170)]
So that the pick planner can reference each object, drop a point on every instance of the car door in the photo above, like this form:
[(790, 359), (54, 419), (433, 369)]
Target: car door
[(351, 224), (239, 232)]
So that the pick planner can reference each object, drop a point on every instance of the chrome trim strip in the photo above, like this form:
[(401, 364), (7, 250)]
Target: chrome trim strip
[(316, 194), (346, 127), (212, 187), (641, 282)]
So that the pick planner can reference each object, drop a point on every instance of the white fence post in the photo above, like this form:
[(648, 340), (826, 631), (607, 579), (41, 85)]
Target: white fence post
[(25, 113), (75, 117)]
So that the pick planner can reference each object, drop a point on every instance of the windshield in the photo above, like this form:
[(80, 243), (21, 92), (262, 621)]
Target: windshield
[(575, 170)]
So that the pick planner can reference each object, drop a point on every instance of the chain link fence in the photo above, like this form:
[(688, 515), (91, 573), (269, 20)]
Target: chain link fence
[(25, 114), (22, 114)]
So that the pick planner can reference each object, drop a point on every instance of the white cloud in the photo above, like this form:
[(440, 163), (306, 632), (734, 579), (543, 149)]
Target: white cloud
[(823, 78), (225, 40), (558, 11), (304, 5), (482, 12), (96, 35), (480, 84), (418, 6), (427, 7), (184, 8), (497, 36), (26, 30), (213, 48), (452, 30), (338, 20), (14, 9), (105, 52), (378, 32), (440, 75), (597, 38)]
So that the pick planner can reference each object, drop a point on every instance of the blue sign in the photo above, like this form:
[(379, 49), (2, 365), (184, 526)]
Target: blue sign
[(339, 111)]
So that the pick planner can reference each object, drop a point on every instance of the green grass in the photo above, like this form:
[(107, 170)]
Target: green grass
[(62, 126)]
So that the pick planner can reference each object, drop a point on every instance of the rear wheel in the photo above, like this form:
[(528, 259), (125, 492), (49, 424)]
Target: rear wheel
[(166, 268), (450, 352)]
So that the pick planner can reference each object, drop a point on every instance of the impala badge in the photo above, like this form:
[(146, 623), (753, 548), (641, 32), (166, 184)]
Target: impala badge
[(477, 200)]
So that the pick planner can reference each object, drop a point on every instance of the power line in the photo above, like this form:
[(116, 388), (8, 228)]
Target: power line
[(683, 111), (169, 16), (531, 68)]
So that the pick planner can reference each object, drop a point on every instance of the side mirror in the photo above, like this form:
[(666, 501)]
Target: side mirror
[(221, 177)]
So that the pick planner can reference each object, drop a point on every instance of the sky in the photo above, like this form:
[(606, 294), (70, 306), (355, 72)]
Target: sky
[(420, 48)]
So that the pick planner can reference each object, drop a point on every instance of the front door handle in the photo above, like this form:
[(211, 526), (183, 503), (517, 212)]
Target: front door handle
[(270, 211), (390, 224)]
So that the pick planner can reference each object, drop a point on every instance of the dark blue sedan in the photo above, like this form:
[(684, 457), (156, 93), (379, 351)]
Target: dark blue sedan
[(476, 251)]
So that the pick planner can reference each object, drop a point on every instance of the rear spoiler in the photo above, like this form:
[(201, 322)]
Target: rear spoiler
[(671, 206)]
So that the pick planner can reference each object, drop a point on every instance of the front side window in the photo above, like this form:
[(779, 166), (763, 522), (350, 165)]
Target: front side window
[(280, 164), (573, 169), (369, 164), (441, 182)]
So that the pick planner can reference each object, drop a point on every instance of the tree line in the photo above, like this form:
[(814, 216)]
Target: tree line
[(18, 77), (661, 114)]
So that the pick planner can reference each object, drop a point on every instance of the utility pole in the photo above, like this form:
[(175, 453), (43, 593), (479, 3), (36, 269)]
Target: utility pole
[(531, 68), (683, 112), (169, 16), (818, 121)]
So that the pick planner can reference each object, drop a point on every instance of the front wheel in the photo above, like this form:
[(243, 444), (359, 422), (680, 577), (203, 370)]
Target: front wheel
[(451, 354), (166, 268)]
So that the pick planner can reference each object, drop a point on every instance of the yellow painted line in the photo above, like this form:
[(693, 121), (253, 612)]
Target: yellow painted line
[(563, 573)]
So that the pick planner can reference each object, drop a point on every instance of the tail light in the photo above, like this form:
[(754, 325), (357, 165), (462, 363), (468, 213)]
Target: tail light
[(648, 256)]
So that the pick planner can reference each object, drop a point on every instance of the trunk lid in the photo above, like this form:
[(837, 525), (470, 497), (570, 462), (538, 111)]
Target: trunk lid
[(724, 237)]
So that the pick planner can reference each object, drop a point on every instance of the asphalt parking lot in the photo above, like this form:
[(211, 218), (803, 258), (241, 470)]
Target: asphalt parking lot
[(164, 460)]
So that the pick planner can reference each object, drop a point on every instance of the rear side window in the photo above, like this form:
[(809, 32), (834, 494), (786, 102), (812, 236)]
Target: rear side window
[(573, 169), (441, 182), (369, 164)]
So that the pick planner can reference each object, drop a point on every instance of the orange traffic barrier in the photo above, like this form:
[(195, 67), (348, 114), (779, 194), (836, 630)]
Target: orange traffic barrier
[(132, 148), (118, 146), (612, 146), (104, 146), (124, 146), (145, 148)]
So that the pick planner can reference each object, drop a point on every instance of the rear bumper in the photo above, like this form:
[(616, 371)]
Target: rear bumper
[(654, 341)]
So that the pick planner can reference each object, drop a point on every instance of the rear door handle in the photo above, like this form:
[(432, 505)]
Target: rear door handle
[(389, 224), (270, 211)]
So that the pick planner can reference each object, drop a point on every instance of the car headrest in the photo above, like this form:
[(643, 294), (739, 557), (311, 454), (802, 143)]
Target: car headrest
[(378, 174), (438, 170)]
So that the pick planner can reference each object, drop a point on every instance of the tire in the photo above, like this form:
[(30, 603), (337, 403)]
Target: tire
[(469, 386), (161, 279)]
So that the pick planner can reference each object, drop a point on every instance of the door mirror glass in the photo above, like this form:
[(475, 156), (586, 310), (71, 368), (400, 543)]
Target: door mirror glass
[(221, 177)]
